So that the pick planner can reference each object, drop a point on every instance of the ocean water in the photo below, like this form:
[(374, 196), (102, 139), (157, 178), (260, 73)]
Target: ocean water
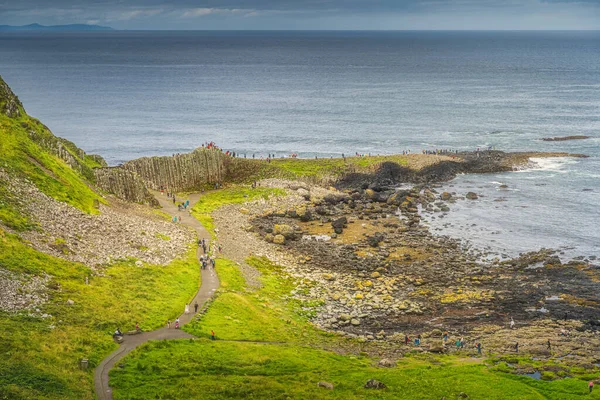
[(131, 94)]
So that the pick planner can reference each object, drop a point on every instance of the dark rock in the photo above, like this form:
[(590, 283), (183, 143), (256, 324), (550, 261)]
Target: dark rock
[(471, 196), (374, 384)]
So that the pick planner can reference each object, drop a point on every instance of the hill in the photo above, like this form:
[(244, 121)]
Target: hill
[(53, 28)]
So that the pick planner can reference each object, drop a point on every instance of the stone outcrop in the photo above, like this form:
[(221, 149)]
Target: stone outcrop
[(10, 105), (181, 172), (124, 184)]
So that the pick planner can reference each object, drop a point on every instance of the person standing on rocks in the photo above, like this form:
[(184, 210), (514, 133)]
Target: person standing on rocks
[(517, 347), (445, 337), (406, 340), (549, 346), (512, 323), (479, 348)]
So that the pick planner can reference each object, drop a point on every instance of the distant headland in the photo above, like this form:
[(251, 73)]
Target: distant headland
[(54, 28)]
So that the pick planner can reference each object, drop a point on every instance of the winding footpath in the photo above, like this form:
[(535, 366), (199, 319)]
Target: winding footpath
[(209, 284)]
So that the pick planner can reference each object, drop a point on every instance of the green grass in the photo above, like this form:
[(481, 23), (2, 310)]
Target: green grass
[(220, 370), (40, 355), (246, 170), (24, 154), (214, 200), (290, 361), (263, 315)]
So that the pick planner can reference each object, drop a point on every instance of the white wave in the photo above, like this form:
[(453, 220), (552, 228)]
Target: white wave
[(551, 164)]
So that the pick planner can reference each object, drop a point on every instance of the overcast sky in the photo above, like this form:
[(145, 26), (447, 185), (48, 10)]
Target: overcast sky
[(308, 14)]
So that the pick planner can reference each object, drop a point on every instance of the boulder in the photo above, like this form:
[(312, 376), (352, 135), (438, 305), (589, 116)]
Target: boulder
[(386, 363), (355, 322), (279, 239), (472, 196), (446, 196), (374, 384), (370, 194), (339, 224), (284, 230), (375, 239), (325, 385), (70, 302)]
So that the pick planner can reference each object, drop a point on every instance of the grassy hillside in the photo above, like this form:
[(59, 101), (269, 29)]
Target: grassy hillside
[(29, 151), (40, 355), (66, 319)]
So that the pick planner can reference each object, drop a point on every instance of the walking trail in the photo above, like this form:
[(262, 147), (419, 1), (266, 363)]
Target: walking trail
[(210, 283)]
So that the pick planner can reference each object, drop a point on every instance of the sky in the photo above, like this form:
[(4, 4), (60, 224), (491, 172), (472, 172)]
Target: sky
[(309, 14)]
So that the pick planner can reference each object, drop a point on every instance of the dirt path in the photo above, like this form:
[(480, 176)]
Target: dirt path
[(210, 284)]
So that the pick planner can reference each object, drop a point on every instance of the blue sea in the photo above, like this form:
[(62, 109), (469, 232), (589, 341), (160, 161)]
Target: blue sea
[(130, 94)]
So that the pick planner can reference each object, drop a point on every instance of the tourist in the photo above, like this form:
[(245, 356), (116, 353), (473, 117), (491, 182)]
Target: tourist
[(196, 307), (212, 335), (406, 340), (517, 347), (458, 344), (512, 323), (137, 327), (177, 323), (591, 386), (479, 348), (445, 336), (168, 324), (117, 333), (548, 344), (187, 309)]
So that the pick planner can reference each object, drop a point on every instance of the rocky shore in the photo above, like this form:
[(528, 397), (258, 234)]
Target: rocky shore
[(371, 270)]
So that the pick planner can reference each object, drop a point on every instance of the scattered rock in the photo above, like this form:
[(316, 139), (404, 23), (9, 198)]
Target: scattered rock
[(279, 239), (386, 363), (472, 196), (325, 385), (374, 384)]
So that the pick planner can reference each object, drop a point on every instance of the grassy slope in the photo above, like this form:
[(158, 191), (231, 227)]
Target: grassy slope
[(267, 349), (22, 154), (42, 362), (40, 356), (211, 201)]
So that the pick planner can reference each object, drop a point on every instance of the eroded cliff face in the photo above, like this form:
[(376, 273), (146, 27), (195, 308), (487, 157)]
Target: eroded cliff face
[(124, 184), (9, 102), (181, 172)]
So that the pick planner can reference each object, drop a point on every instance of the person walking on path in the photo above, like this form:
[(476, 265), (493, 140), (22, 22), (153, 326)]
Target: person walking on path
[(212, 335), (168, 324), (196, 307), (187, 309)]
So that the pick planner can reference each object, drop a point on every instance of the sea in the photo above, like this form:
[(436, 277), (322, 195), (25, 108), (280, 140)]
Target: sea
[(128, 94)]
